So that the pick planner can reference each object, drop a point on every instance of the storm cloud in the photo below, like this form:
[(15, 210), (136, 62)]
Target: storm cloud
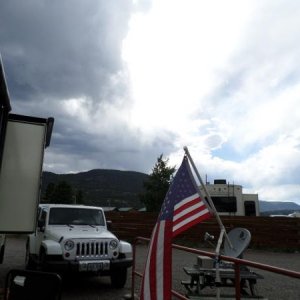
[(127, 81)]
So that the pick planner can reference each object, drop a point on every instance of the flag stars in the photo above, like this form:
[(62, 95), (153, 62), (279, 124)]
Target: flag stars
[(181, 187)]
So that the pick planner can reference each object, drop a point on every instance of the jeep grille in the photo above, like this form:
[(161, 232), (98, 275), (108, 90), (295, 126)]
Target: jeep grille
[(92, 249)]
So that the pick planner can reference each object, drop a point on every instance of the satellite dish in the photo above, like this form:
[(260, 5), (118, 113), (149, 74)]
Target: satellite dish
[(240, 239)]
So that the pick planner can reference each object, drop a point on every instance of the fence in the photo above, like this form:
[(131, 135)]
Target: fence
[(267, 232), (237, 263)]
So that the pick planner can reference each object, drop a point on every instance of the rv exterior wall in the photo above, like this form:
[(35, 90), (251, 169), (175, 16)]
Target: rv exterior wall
[(20, 176), (220, 190)]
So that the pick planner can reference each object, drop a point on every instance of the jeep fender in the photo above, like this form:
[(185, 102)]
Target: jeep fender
[(125, 247), (52, 247)]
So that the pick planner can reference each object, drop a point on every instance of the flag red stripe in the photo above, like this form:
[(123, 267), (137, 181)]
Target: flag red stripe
[(189, 214), (192, 223), (160, 283), (168, 260), (146, 285), (187, 205)]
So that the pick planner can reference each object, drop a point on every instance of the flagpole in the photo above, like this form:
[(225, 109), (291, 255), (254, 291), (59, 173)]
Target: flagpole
[(223, 231), (208, 196)]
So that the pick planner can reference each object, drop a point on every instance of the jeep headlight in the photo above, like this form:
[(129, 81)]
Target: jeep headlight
[(113, 244), (69, 245)]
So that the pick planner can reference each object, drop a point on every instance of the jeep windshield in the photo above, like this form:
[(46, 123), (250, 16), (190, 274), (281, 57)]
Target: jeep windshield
[(75, 216)]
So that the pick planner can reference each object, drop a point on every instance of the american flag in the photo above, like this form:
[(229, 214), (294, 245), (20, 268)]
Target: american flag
[(182, 208)]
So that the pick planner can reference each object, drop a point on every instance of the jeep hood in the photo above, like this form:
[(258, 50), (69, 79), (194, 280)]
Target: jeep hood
[(79, 232)]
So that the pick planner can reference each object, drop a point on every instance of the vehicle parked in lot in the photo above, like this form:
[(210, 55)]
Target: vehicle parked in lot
[(75, 238), (2, 247)]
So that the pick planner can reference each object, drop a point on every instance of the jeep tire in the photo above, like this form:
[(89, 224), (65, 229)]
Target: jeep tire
[(43, 259), (118, 278), (1, 254)]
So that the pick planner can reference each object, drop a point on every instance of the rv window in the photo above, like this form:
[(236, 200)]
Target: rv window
[(225, 204), (250, 208)]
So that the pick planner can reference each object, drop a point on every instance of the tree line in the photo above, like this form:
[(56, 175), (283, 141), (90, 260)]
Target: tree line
[(63, 193), (155, 188)]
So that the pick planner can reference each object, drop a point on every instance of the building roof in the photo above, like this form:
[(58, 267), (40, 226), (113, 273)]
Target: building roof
[(126, 209), (109, 208)]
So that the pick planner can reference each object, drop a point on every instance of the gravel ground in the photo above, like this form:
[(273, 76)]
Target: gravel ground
[(273, 286)]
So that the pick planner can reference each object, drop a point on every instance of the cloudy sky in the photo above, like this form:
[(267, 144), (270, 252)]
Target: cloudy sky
[(128, 80)]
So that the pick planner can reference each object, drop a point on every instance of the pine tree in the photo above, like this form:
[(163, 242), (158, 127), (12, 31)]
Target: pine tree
[(157, 185), (49, 192), (79, 197), (62, 193)]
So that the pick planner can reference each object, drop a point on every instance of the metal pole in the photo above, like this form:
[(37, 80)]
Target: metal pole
[(133, 269), (218, 278), (237, 282), (207, 195)]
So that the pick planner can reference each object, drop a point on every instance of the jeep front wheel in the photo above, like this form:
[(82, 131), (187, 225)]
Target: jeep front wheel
[(118, 278), (43, 259), (1, 254)]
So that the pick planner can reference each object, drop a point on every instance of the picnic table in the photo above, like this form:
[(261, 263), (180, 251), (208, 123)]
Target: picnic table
[(199, 278)]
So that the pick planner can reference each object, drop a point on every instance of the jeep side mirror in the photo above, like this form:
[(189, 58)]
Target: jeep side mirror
[(41, 225)]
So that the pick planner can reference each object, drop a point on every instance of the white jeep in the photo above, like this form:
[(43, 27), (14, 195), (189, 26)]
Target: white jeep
[(76, 238)]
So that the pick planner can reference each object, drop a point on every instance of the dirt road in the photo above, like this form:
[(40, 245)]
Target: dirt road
[(273, 287)]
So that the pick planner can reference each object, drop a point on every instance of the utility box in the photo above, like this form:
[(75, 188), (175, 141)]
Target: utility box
[(205, 262)]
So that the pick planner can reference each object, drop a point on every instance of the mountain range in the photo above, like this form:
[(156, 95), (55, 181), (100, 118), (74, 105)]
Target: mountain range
[(117, 188), (277, 207)]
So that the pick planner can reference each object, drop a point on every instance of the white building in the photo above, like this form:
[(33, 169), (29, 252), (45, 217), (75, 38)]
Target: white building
[(295, 214), (229, 199)]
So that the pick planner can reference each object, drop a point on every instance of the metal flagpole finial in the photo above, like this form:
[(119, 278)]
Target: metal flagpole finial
[(186, 151)]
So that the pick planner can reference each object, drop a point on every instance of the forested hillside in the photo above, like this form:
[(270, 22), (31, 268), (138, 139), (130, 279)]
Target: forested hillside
[(102, 187)]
